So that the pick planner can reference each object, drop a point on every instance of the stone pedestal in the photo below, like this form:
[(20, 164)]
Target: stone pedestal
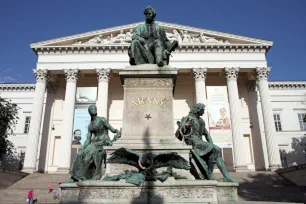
[(171, 191), (147, 124)]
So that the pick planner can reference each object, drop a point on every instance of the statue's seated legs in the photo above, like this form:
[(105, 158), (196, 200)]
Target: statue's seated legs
[(148, 53), (138, 54), (215, 156), (158, 52), (98, 158)]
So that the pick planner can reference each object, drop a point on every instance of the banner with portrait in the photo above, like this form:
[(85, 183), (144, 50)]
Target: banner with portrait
[(85, 96), (219, 116)]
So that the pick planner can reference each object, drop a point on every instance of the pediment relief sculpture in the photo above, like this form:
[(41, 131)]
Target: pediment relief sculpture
[(125, 37)]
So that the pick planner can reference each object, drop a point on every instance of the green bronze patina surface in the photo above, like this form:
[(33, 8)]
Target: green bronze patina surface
[(191, 129), (87, 163), (146, 164), (150, 44)]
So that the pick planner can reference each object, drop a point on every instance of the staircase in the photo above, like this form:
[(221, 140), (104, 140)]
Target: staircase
[(17, 193), (254, 186)]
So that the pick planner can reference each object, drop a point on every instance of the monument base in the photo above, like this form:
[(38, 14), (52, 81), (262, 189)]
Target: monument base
[(171, 191)]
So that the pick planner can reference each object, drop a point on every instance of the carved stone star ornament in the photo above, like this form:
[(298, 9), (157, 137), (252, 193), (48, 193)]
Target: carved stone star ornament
[(148, 116)]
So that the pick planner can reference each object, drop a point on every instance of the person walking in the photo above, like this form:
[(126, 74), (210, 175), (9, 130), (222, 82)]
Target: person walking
[(54, 194), (30, 196), (59, 191)]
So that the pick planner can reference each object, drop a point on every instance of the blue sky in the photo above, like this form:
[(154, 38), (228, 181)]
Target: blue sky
[(23, 22)]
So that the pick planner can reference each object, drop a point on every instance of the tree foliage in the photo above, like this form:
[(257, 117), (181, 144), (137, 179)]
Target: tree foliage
[(8, 120)]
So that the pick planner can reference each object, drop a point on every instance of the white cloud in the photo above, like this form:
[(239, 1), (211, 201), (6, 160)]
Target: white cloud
[(5, 70), (7, 79)]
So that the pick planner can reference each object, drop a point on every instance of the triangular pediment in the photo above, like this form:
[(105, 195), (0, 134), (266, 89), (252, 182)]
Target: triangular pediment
[(121, 36)]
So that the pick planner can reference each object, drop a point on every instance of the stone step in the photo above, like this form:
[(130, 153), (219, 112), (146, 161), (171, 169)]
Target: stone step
[(40, 181), (16, 196)]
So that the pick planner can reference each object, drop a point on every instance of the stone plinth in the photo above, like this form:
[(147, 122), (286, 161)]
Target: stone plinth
[(148, 104), (147, 124), (171, 191)]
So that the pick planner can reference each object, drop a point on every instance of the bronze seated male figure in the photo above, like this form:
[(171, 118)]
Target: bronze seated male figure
[(150, 44), (205, 154)]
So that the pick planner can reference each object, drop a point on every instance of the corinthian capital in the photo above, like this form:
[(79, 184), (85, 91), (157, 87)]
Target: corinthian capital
[(103, 74), (41, 75), (262, 73), (72, 75), (231, 73), (199, 73)]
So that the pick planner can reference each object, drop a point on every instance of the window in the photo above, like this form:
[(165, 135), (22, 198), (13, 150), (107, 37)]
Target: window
[(27, 124), (277, 122), (302, 122)]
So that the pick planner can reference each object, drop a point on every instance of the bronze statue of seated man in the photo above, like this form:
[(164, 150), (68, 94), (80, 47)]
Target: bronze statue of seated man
[(150, 44), (191, 129)]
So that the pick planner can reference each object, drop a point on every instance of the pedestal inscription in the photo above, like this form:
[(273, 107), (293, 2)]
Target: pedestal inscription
[(148, 109)]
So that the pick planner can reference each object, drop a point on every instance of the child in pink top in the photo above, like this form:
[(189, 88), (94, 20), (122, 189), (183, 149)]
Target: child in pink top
[(50, 187)]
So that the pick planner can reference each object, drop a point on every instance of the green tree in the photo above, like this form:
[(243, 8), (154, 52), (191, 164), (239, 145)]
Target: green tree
[(8, 120)]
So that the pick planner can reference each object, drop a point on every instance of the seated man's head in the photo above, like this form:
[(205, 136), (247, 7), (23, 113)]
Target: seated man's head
[(149, 13), (77, 134), (198, 109)]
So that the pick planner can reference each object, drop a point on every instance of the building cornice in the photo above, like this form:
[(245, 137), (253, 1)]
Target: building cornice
[(123, 48), (17, 87), (287, 85)]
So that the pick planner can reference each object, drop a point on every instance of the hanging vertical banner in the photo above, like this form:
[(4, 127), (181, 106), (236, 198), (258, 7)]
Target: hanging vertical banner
[(84, 98), (219, 116), (81, 122)]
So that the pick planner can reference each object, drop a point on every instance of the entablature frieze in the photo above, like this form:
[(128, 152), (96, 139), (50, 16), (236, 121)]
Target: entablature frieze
[(115, 49), (287, 85), (17, 87)]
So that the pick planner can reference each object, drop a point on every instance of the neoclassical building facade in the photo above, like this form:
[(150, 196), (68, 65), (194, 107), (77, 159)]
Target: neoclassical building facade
[(254, 121)]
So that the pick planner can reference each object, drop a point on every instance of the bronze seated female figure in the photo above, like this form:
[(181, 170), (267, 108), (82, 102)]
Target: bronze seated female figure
[(87, 163)]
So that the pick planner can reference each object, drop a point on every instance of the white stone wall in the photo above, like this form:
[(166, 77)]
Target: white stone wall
[(288, 102), (24, 100)]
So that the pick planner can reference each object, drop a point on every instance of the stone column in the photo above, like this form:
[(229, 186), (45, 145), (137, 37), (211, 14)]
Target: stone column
[(46, 129), (272, 146), (36, 119), (103, 77), (199, 75), (72, 76), (231, 74)]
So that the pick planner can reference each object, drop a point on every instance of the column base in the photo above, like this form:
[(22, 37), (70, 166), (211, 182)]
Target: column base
[(274, 167), (28, 170), (62, 170), (242, 169)]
